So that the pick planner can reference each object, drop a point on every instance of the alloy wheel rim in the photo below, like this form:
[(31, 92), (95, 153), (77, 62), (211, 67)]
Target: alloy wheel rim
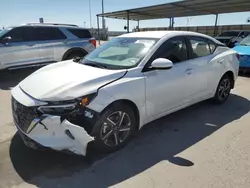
[(224, 89), (115, 129)]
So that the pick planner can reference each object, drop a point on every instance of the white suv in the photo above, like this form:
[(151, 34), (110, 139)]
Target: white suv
[(119, 87), (40, 44)]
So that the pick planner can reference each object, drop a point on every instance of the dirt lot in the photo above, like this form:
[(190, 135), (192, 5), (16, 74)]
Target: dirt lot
[(202, 146)]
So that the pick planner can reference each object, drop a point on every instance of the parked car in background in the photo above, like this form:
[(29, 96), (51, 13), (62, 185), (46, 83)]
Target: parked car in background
[(229, 38), (243, 49), (126, 83), (40, 44)]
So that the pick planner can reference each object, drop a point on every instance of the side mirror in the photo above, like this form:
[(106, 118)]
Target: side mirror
[(6, 39), (161, 63)]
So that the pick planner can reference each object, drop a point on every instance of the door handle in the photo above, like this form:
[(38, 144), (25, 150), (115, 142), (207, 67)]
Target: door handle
[(189, 71)]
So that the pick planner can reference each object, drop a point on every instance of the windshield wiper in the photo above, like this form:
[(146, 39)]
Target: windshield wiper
[(96, 65)]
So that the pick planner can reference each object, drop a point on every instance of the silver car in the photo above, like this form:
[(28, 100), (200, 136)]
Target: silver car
[(40, 44)]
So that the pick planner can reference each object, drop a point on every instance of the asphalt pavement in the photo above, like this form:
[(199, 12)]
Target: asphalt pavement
[(205, 145)]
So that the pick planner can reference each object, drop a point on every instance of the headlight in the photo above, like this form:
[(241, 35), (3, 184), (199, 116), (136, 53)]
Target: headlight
[(57, 110), (65, 107)]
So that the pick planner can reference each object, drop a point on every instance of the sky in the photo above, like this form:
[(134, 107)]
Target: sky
[(15, 12)]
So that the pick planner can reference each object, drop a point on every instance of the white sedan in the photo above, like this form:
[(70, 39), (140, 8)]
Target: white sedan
[(119, 87)]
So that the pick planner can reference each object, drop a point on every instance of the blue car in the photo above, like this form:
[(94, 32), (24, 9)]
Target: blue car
[(243, 49)]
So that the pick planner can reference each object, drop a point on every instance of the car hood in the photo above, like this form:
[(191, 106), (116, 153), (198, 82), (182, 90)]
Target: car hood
[(242, 50), (67, 80)]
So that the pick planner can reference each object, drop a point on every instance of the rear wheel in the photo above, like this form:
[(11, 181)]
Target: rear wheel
[(115, 127), (223, 89)]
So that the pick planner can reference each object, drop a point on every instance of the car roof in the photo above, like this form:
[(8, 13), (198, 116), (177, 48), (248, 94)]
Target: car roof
[(146, 34), (49, 25), (160, 34)]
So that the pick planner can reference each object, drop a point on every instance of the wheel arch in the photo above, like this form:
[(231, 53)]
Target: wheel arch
[(73, 50), (132, 105)]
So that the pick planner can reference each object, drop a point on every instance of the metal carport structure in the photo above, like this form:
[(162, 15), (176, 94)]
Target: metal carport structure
[(179, 9)]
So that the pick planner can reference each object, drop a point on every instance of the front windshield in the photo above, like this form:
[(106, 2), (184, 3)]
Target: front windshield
[(229, 34), (246, 41), (120, 53)]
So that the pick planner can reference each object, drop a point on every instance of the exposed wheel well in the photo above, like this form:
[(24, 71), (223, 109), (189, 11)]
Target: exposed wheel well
[(230, 74), (74, 51), (132, 105)]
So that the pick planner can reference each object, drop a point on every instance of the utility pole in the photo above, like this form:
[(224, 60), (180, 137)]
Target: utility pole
[(90, 19), (103, 21)]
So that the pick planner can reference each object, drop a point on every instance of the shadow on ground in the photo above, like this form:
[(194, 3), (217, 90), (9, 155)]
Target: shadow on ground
[(10, 78), (158, 141)]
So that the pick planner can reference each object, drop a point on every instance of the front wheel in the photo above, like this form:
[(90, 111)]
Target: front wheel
[(223, 89), (115, 127)]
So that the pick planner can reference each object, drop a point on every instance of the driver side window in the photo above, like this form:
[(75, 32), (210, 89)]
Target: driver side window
[(21, 34), (174, 49)]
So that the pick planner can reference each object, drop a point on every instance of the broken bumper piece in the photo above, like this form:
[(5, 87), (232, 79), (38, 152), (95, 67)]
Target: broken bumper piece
[(50, 131)]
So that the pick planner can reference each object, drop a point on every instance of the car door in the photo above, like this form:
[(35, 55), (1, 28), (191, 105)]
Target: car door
[(167, 90), (214, 65), (201, 55), (21, 49), (51, 42)]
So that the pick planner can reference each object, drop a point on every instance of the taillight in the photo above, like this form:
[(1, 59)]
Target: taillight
[(238, 56), (93, 41)]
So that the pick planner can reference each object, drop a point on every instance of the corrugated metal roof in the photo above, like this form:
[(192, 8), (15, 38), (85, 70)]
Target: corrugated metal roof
[(182, 9)]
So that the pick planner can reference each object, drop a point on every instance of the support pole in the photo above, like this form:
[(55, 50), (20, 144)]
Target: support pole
[(127, 21), (98, 30), (172, 20), (215, 26), (103, 22), (170, 23), (138, 24), (173, 23)]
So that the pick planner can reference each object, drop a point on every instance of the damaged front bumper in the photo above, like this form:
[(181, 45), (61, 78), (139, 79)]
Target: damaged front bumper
[(61, 133), (50, 132)]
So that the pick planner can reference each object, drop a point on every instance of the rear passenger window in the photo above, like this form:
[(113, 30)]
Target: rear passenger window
[(212, 46), (49, 33), (199, 47), (80, 33)]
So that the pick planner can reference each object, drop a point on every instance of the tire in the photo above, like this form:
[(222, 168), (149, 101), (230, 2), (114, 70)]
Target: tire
[(75, 55), (223, 89), (109, 136)]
